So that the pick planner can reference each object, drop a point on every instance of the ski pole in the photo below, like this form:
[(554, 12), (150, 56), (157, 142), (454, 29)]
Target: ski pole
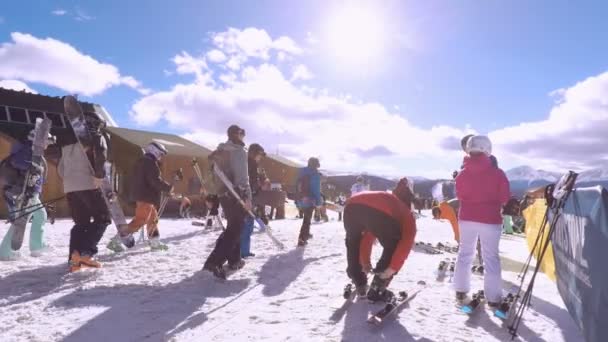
[(42, 204)]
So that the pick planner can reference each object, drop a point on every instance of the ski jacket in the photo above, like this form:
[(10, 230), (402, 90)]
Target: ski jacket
[(238, 169), (448, 213), (147, 184), (313, 198), (20, 160), (357, 188), (78, 170), (392, 206), (482, 190), (254, 177)]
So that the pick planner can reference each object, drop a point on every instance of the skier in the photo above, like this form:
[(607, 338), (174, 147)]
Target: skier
[(82, 175), (446, 212), (17, 165), (147, 186), (341, 200), (482, 189), (309, 196), (185, 207), (231, 158), (359, 186), (254, 155), (212, 202), (384, 216)]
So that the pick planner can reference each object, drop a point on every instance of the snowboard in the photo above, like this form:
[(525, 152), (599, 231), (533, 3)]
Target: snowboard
[(76, 119), (42, 130), (477, 298), (265, 228), (395, 304)]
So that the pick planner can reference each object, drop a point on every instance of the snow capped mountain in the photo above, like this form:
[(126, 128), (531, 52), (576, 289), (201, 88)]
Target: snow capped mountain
[(527, 173)]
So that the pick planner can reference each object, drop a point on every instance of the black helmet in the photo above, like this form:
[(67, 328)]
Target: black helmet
[(94, 122), (234, 130), (255, 149), (314, 162)]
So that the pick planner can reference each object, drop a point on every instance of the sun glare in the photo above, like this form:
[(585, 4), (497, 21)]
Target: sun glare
[(355, 36)]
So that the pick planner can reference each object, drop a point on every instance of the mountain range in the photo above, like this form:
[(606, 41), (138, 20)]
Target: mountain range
[(521, 179)]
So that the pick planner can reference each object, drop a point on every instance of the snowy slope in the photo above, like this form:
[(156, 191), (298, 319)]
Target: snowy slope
[(288, 296)]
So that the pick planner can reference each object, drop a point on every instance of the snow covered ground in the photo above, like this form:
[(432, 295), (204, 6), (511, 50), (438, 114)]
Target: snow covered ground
[(278, 296)]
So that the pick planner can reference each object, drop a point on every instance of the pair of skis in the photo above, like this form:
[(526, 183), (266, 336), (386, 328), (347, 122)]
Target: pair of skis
[(263, 227), (502, 311), (395, 304)]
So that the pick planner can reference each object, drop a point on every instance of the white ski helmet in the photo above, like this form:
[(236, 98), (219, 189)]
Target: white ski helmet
[(156, 149), (479, 143)]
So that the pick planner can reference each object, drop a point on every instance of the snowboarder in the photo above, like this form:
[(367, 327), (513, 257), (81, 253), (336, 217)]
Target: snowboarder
[(254, 155), (359, 186), (231, 158), (446, 212), (482, 189), (308, 192), (82, 175), (384, 216), (17, 165), (147, 187)]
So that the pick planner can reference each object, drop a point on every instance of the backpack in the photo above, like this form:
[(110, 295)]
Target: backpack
[(303, 187)]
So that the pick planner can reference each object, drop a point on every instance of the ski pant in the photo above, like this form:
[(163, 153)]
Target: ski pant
[(37, 229), (507, 224), (91, 218), (489, 235), (246, 236), (145, 214), (227, 246), (305, 229), (359, 219)]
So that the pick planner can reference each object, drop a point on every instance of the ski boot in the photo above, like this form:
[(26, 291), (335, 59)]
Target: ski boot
[(378, 290), (218, 271), (237, 265), (156, 245)]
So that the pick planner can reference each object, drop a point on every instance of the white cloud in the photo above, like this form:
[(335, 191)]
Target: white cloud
[(55, 63), (187, 64), (300, 123), (81, 15), (16, 85), (59, 12), (238, 46), (301, 72), (573, 136), (216, 56)]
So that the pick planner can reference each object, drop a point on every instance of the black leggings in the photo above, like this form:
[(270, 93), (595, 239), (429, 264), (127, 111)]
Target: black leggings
[(228, 245), (358, 219), (91, 218)]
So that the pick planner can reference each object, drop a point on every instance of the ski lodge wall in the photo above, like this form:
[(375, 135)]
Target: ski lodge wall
[(18, 113)]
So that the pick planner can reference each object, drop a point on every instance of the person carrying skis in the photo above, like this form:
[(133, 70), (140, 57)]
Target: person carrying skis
[(147, 186), (17, 164), (482, 190), (231, 158), (359, 186), (444, 211), (82, 175), (254, 155), (308, 192), (384, 216)]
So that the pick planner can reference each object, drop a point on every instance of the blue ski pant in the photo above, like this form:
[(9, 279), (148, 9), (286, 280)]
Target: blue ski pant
[(246, 236)]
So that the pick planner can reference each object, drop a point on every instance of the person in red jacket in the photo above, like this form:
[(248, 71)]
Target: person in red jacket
[(384, 216), (482, 189)]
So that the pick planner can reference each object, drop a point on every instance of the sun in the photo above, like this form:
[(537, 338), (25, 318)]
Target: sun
[(355, 36)]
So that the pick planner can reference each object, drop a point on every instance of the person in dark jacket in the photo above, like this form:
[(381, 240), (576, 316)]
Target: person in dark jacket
[(254, 156), (20, 162), (227, 247), (309, 193), (82, 175), (147, 187)]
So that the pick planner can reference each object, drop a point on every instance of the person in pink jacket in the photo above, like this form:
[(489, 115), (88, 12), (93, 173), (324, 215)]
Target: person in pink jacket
[(482, 189)]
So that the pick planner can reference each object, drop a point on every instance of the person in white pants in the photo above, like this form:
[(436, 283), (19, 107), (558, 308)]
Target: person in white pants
[(482, 189)]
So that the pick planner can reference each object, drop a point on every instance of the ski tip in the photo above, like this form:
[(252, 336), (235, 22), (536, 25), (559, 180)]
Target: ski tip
[(421, 282), (500, 314)]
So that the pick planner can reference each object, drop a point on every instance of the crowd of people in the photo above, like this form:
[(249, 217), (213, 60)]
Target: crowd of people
[(482, 189)]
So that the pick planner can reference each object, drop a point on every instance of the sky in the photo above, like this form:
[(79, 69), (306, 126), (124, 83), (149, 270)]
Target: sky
[(383, 87)]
